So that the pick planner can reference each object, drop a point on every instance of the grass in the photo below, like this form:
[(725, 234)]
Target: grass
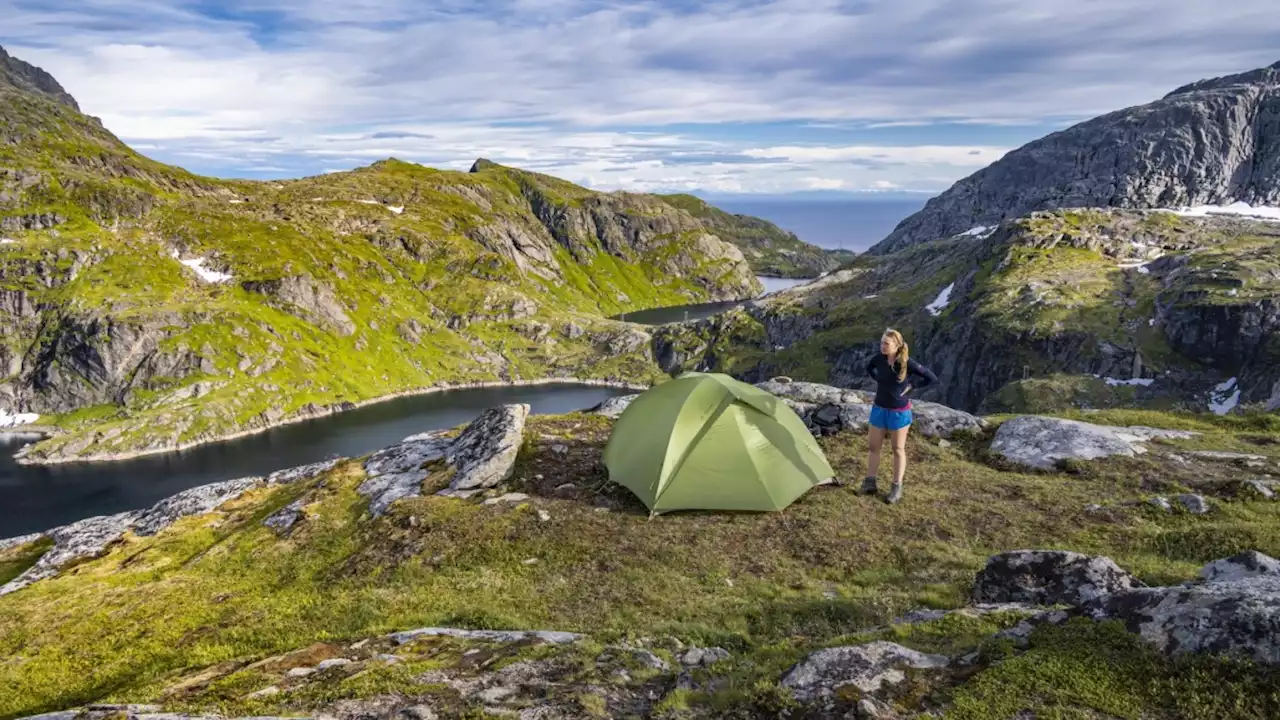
[(831, 568)]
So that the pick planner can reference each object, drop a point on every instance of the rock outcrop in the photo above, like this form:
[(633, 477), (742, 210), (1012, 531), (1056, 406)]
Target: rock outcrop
[(1049, 577), (1250, 563), (868, 668), (1041, 442), (482, 456), (1213, 142), (1237, 617), (91, 537)]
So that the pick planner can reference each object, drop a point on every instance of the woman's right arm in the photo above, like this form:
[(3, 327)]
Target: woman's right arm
[(871, 369)]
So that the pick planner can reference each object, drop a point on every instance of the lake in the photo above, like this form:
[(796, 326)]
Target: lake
[(35, 498)]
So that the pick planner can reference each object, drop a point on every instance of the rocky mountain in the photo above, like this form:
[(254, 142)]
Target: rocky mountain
[(24, 76), (143, 307), (1090, 308), (768, 248), (1214, 142)]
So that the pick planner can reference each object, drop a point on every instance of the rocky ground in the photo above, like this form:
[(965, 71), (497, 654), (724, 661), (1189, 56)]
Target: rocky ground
[(1039, 567)]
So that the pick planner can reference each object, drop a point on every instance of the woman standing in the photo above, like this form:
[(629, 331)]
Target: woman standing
[(891, 413)]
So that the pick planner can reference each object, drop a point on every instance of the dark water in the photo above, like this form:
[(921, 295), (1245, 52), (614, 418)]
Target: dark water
[(682, 313), (42, 497), (852, 224)]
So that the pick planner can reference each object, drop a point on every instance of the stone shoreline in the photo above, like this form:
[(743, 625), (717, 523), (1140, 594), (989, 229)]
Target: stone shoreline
[(300, 416)]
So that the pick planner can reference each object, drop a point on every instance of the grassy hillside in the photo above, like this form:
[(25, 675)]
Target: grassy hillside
[(184, 618), (144, 307)]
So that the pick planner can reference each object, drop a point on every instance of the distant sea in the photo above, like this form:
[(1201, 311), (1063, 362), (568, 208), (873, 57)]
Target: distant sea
[(852, 224)]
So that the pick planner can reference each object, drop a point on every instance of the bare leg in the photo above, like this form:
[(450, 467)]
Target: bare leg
[(874, 442), (899, 438)]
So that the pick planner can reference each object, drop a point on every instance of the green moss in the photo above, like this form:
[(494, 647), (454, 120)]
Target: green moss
[(1084, 669)]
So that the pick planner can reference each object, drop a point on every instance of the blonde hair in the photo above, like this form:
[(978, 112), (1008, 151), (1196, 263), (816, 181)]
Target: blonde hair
[(900, 357)]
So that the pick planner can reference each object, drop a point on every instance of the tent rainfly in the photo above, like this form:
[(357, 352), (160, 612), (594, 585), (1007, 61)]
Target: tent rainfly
[(705, 441)]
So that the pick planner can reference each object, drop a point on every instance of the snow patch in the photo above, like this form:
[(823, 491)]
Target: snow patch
[(1262, 212), (940, 303), (205, 274), (397, 209), (369, 202), (1225, 397), (870, 297), (7, 420), (8, 241), (1113, 382), (982, 232)]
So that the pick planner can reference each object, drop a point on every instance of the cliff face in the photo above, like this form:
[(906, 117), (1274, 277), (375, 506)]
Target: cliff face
[(143, 307), (1208, 143)]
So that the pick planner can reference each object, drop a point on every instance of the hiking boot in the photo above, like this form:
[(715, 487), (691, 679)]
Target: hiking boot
[(868, 486), (895, 493)]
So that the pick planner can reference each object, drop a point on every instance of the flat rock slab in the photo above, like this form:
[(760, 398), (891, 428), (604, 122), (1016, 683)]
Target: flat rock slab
[(502, 636), (398, 471), (1040, 442), (869, 668), (1049, 577), (1240, 617), (196, 501), (86, 538)]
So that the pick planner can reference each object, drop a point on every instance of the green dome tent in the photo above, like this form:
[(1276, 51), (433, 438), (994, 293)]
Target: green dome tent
[(705, 441)]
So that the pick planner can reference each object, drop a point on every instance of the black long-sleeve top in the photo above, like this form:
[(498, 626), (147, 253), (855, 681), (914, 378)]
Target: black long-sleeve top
[(889, 390)]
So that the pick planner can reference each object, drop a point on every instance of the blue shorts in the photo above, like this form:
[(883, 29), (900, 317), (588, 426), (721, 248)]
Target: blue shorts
[(890, 419)]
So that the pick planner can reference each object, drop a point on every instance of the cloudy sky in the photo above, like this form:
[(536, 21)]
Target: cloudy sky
[(729, 96)]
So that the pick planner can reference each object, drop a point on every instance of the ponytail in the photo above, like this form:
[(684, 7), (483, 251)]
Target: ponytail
[(901, 357)]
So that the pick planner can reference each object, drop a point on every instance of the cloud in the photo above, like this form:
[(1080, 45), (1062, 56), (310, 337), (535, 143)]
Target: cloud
[(725, 92)]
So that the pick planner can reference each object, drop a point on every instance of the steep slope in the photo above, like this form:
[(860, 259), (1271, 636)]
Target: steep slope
[(1213, 142), (1135, 307), (145, 308), (769, 249)]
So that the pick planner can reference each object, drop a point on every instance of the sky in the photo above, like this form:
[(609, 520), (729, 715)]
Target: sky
[(724, 97)]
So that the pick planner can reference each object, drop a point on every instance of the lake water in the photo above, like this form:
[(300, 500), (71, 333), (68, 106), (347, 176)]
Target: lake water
[(35, 498), (684, 313)]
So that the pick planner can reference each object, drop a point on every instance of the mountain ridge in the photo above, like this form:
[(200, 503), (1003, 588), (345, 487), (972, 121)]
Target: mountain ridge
[(1216, 141)]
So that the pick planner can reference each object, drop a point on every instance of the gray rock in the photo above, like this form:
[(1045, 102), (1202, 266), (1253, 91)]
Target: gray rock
[(1261, 488), (933, 420), (418, 712), (1048, 577), (649, 660), (485, 453), (508, 498), (1194, 504), (614, 406), (702, 657), (1161, 503), (1250, 563), (1240, 617), (813, 393), (285, 518), (1207, 143), (398, 471), (333, 663), (869, 668), (301, 672), (502, 636), (19, 541), (1040, 442), (304, 472), (196, 501), (929, 419), (88, 538)]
